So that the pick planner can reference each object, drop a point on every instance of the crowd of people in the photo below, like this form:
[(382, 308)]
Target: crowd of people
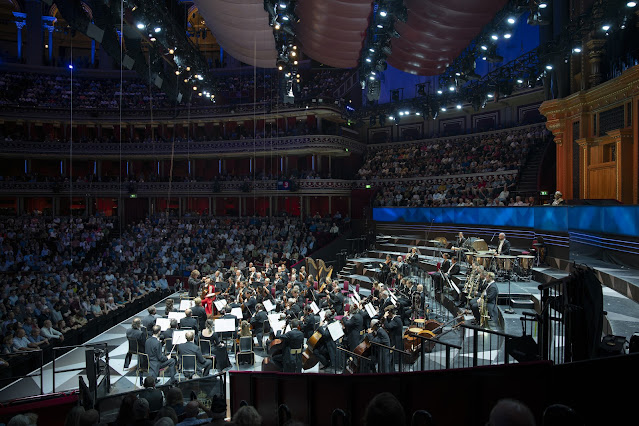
[(484, 153), (57, 277), (61, 90), (491, 161)]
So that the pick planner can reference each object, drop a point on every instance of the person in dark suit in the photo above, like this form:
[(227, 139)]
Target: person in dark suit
[(198, 312), (490, 293), (326, 348), (292, 352), (189, 322), (168, 333), (445, 266), (337, 299), (354, 327), (257, 321), (218, 349), (194, 283), (395, 328), (151, 394), (190, 348), (157, 359), (309, 322), (380, 355), (149, 321), (135, 333), (504, 245)]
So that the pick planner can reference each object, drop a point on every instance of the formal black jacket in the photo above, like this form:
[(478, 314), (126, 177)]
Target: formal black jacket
[(444, 266), (194, 287), (154, 396), (138, 335), (168, 333), (505, 248), (153, 349), (454, 270), (190, 348), (308, 327), (381, 355), (395, 330), (354, 325), (200, 313), (258, 321), (189, 322), (337, 299), (294, 339)]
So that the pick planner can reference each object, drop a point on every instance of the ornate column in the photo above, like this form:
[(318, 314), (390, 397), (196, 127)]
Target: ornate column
[(34, 48), (20, 23), (48, 24), (595, 53)]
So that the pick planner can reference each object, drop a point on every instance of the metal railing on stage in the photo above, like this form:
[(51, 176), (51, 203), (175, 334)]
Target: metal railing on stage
[(23, 361), (102, 347), (203, 389), (484, 346)]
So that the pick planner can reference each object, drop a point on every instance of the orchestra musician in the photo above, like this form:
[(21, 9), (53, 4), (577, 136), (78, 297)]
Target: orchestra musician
[(257, 321), (199, 312), (400, 265), (448, 268), (380, 356), (218, 349), (309, 322), (353, 328), (326, 348), (490, 293), (337, 299), (293, 342), (395, 328), (504, 245), (157, 359), (194, 283), (412, 259), (190, 348), (385, 274)]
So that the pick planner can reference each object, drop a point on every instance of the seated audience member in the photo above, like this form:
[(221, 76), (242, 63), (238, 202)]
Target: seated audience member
[(247, 416), (384, 409), (510, 412), (151, 394), (141, 413), (191, 414), (175, 400)]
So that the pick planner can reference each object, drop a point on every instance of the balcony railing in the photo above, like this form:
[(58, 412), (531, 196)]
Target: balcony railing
[(311, 143)]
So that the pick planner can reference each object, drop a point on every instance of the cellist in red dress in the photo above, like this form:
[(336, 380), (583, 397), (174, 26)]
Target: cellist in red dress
[(208, 296)]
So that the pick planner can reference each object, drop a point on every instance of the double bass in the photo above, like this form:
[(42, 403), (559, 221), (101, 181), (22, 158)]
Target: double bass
[(275, 349)]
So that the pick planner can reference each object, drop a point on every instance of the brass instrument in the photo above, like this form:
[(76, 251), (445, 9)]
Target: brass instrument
[(483, 310)]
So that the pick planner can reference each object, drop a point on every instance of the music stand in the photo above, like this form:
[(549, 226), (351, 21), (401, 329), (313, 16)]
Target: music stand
[(510, 309)]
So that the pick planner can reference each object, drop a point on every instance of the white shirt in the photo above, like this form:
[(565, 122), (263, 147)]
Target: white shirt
[(501, 243)]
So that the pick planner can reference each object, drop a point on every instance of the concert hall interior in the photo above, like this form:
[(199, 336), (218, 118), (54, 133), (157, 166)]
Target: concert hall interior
[(318, 212)]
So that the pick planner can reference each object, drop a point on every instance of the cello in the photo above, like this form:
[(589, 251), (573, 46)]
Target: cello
[(275, 350), (309, 360)]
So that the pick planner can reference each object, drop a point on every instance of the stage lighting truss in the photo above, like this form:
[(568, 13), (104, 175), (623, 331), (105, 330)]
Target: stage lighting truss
[(377, 45), (282, 19)]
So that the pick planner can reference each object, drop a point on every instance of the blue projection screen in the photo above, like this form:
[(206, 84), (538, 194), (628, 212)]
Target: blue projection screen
[(620, 220)]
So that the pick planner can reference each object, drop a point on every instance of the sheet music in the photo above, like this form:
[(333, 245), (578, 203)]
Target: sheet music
[(237, 313), (164, 323), (356, 297), (268, 305), (219, 304), (314, 308), (336, 331), (177, 315), (179, 336), (223, 325), (370, 309), (275, 323), (186, 304), (322, 315)]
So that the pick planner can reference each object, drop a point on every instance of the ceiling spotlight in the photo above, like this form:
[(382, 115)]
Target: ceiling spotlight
[(280, 67), (293, 53), (543, 5), (458, 106), (288, 74), (285, 18), (294, 62), (406, 112), (451, 88), (401, 113), (418, 113), (188, 68), (70, 66), (298, 76), (483, 58), (368, 60), (439, 92), (490, 95), (140, 26), (208, 95), (294, 47), (186, 80), (199, 77), (380, 26), (199, 94), (282, 5), (194, 87), (484, 47), (520, 81), (507, 35), (548, 67), (458, 74), (371, 50), (511, 20), (157, 29), (177, 72), (390, 117), (171, 51), (383, 13), (152, 39), (631, 4), (605, 27), (443, 109), (576, 50), (277, 26), (372, 77), (494, 37)]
